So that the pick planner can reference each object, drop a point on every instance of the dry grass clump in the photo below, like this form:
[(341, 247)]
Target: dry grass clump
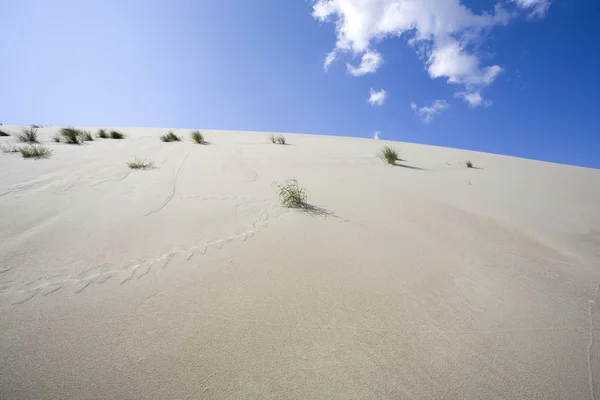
[(71, 135), (9, 149), (140, 164), (198, 137), (469, 164), (170, 137), (292, 195), (35, 151), (86, 136), (102, 134), (279, 139), (114, 134), (388, 154), (28, 135)]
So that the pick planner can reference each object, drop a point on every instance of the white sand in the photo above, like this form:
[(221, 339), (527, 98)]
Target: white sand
[(189, 281)]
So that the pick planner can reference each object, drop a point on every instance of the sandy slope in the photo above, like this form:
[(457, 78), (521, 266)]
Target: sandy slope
[(189, 281)]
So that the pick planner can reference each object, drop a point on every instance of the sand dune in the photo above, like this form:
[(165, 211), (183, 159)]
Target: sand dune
[(190, 281)]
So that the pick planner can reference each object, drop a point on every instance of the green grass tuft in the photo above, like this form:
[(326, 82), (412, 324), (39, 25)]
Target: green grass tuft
[(56, 138), (28, 135), (86, 136), (198, 137), (469, 164), (140, 164), (116, 135), (291, 194), (170, 137), (272, 139), (35, 151), (71, 135), (388, 154), (102, 134)]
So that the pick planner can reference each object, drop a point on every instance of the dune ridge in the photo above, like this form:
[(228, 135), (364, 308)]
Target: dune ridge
[(423, 279)]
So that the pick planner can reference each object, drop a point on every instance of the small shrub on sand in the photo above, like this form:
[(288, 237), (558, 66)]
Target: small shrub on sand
[(56, 138), (291, 194), (388, 154), (140, 164), (86, 136), (102, 134), (198, 137), (4, 133), (279, 139), (116, 135), (71, 135), (170, 137), (35, 151), (28, 135), (469, 164)]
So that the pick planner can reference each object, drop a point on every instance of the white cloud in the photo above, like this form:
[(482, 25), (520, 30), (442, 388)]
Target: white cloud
[(444, 32), (377, 98), (329, 59), (369, 63), (427, 113), (451, 61), (538, 8), (474, 99), (376, 135)]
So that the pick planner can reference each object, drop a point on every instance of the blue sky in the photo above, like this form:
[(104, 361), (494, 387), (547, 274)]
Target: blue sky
[(530, 68)]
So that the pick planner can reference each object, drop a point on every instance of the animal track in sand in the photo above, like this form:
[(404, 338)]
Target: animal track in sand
[(140, 268)]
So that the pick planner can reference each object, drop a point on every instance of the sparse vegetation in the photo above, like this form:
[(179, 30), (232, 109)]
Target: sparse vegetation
[(86, 136), (170, 137), (198, 137), (71, 135), (388, 154), (279, 139), (56, 138), (34, 151), (469, 164), (10, 149), (291, 194), (140, 164), (4, 133), (102, 134), (116, 135), (28, 135)]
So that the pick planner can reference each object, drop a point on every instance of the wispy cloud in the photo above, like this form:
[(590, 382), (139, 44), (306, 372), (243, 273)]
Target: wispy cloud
[(369, 63), (429, 112), (376, 135), (377, 97), (329, 59), (537, 8), (445, 33), (473, 99)]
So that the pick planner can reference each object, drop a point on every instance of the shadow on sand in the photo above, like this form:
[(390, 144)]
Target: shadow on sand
[(314, 210), (408, 166)]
